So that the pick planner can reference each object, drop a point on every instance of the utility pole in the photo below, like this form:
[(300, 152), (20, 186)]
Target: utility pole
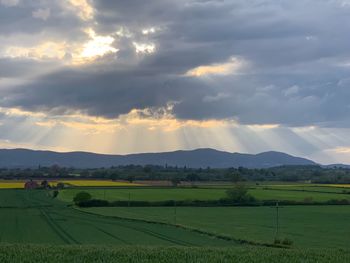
[(277, 220), (175, 212), (277, 208)]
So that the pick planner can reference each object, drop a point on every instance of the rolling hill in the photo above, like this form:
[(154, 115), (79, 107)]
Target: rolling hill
[(193, 158)]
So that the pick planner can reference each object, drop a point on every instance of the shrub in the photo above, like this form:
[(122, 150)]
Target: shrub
[(277, 241), (287, 242), (82, 197), (338, 202), (94, 203), (175, 181), (239, 194), (54, 194), (308, 200)]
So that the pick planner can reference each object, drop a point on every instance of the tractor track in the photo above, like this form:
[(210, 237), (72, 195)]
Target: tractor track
[(67, 238), (120, 223)]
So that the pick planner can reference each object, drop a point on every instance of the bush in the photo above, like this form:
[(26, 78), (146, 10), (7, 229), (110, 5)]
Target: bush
[(308, 200), (239, 194), (175, 181), (55, 194), (287, 242), (338, 202), (82, 197), (94, 203), (277, 241)]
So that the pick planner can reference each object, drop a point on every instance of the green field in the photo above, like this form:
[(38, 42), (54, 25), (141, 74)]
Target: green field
[(291, 193), (307, 226), (148, 194), (135, 254), (33, 217), (117, 234)]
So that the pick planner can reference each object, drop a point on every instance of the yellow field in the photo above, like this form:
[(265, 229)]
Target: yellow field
[(11, 184), (15, 184), (97, 183)]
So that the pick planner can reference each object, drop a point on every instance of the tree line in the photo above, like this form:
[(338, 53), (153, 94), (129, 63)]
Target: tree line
[(311, 173)]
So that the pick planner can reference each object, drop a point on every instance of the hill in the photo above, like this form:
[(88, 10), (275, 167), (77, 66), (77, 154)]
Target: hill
[(203, 158)]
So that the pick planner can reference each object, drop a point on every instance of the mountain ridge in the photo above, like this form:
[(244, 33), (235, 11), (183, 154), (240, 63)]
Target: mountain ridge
[(197, 158)]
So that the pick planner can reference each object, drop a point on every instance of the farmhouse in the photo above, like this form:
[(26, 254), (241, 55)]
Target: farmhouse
[(31, 185)]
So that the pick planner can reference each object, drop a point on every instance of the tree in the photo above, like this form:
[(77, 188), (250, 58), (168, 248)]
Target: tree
[(55, 194), (114, 176), (175, 181), (234, 176), (44, 184), (239, 194), (81, 197), (147, 169), (192, 177), (130, 178)]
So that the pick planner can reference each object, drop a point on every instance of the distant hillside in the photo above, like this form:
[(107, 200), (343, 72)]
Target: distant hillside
[(337, 165), (194, 159)]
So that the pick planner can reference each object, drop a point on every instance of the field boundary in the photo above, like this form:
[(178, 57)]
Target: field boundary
[(300, 190)]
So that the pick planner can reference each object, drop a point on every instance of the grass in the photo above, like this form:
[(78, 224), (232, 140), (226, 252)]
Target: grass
[(82, 254), (288, 194), (340, 185), (149, 194), (158, 194), (34, 217), (36, 228), (307, 226)]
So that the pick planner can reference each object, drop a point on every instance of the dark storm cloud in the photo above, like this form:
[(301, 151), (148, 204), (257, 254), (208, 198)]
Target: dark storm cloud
[(18, 20), (297, 56), (106, 94)]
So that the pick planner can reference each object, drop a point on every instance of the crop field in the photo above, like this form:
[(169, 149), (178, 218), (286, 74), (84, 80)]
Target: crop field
[(307, 226), (83, 254), (44, 229), (274, 192), (11, 184), (19, 184), (148, 194), (34, 217)]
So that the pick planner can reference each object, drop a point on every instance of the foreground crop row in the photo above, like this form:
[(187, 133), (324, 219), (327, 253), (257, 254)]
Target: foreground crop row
[(77, 254)]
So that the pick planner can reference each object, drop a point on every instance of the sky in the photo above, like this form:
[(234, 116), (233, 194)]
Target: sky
[(160, 75)]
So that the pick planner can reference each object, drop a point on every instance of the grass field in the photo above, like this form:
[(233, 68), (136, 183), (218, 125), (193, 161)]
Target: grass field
[(294, 193), (149, 194), (83, 254), (97, 235), (33, 217), (307, 226)]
